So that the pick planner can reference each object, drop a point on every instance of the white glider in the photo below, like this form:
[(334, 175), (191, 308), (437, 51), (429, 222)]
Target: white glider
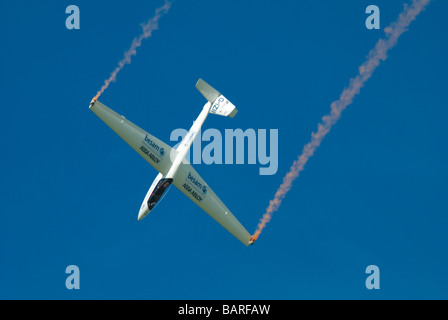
[(169, 162)]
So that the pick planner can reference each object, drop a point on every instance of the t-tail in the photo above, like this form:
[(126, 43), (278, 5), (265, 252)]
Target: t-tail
[(220, 105)]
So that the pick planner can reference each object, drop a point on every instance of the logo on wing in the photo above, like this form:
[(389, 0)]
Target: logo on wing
[(154, 146), (199, 185)]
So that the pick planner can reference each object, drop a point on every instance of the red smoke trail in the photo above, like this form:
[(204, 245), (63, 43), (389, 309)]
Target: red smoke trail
[(148, 28), (376, 55)]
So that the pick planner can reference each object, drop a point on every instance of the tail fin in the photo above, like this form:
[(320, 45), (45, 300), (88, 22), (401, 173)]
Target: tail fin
[(220, 105)]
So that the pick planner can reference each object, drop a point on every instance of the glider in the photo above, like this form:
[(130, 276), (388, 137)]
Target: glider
[(170, 162)]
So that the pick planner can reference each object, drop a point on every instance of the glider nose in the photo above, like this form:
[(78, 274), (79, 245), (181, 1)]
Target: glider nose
[(143, 212)]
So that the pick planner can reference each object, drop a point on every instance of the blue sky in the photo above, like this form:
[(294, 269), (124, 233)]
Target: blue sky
[(374, 193)]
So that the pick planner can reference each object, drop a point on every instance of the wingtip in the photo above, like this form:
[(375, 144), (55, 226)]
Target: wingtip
[(92, 103), (252, 240)]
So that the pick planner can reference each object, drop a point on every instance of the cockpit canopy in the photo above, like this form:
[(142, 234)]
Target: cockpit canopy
[(159, 192)]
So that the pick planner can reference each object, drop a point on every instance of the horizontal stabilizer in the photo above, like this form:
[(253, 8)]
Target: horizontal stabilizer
[(210, 93)]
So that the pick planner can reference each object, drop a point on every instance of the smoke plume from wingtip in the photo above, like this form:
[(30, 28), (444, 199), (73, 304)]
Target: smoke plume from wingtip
[(148, 27), (365, 71)]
